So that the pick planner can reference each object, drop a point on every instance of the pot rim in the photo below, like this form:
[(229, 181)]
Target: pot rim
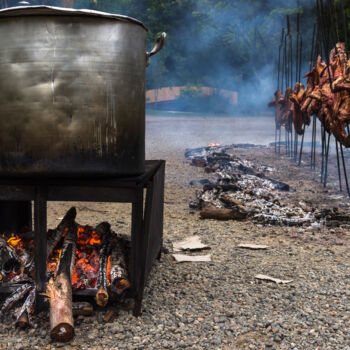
[(43, 10)]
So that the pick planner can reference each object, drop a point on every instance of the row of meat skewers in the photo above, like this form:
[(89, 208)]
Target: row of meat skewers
[(327, 96)]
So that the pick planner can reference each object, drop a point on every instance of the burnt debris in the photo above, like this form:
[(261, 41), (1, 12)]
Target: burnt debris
[(238, 189)]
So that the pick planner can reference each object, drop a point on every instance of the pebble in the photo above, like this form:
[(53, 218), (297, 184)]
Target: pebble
[(220, 305)]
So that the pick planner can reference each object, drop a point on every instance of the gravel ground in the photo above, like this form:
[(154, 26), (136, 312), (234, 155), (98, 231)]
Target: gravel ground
[(220, 305)]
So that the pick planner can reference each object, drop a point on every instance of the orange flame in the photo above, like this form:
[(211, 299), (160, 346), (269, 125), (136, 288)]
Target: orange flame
[(86, 267), (15, 242)]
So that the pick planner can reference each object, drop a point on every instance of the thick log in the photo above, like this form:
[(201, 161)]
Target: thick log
[(102, 296), (24, 318), (119, 273), (236, 213), (59, 291)]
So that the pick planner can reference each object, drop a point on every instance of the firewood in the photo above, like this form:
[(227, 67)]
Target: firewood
[(119, 274), (236, 213), (24, 315), (9, 260), (82, 309), (59, 291), (22, 321), (102, 281), (55, 236), (111, 314), (17, 295)]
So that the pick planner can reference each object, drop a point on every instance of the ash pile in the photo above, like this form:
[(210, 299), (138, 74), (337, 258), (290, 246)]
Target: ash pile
[(238, 189)]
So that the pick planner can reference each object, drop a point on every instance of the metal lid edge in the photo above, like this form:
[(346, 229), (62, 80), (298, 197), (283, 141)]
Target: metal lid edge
[(52, 11)]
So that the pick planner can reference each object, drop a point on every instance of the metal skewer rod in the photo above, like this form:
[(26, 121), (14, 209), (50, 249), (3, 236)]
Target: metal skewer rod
[(326, 162), (338, 164), (344, 168), (301, 146)]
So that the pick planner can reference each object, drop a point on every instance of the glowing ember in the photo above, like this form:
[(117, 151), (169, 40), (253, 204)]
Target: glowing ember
[(86, 268), (15, 242)]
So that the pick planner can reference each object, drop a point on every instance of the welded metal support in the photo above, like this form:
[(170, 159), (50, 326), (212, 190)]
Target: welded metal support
[(40, 229), (147, 216)]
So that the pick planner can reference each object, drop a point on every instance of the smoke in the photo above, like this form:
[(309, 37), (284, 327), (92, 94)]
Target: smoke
[(233, 46)]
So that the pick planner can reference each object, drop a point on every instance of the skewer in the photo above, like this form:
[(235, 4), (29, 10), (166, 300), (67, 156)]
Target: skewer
[(338, 163), (344, 168), (326, 162), (323, 131), (301, 146)]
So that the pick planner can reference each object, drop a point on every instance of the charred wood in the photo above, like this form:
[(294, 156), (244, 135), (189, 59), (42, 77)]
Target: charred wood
[(9, 261), (24, 316), (102, 281), (236, 213), (119, 273), (111, 314), (55, 236), (82, 309), (16, 296)]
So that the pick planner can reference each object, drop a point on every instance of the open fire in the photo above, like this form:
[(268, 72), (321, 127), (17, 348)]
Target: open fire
[(82, 257)]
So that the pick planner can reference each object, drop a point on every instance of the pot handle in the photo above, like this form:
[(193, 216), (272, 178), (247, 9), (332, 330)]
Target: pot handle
[(156, 48)]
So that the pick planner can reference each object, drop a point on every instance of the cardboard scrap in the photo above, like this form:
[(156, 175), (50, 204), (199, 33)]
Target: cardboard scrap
[(191, 258), (272, 279), (252, 246), (191, 243)]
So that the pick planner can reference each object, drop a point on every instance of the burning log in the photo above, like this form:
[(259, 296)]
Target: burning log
[(24, 318), (236, 213), (9, 261), (105, 251), (119, 274), (82, 309), (55, 236), (17, 295), (59, 291)]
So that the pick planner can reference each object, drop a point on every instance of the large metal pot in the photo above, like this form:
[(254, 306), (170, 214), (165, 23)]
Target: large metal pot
[(72, 92)]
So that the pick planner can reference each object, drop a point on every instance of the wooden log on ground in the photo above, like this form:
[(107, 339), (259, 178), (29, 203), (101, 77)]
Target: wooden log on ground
[(119, 274), (223, 214), (102, 297), (59, 291), (82, 309), (111, 314), (17, 295), (24, 318)]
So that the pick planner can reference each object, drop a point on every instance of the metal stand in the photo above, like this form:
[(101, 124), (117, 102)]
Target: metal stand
[(147, 215)]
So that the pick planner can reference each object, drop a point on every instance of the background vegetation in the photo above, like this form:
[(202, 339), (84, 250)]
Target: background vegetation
[(229, 44)]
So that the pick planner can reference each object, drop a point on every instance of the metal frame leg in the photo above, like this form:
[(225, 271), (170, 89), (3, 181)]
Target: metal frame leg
[(40, 229)]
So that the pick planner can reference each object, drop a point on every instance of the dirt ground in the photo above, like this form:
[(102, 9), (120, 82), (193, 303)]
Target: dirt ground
[(220, 304)]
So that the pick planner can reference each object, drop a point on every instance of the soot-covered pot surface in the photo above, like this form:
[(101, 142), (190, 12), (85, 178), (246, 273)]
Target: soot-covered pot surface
[(72, 92)]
